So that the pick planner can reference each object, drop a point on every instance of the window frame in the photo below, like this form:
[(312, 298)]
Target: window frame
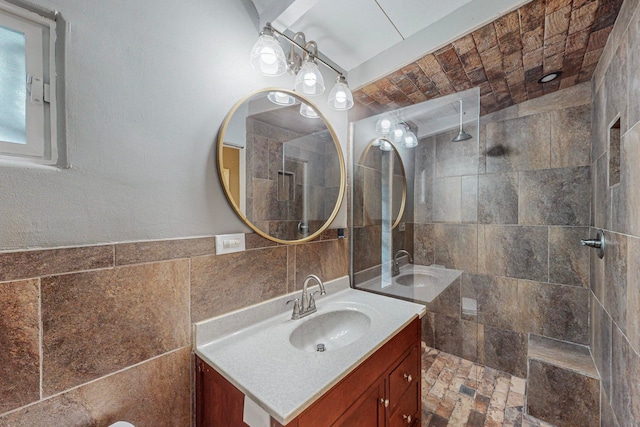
[(40, 55)]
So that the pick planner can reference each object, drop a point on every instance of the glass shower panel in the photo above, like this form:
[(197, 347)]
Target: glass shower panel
[(438, 182)]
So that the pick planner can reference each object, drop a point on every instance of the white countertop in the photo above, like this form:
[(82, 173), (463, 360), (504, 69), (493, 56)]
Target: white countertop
[(251, 349)]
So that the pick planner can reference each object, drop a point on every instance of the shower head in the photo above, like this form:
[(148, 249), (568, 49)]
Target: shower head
[(462, 135)]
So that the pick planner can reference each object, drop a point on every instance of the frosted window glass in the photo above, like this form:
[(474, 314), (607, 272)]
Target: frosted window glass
[(13, 92)]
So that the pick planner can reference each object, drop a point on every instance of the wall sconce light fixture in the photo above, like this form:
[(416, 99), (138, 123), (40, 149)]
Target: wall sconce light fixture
[(268, 57)]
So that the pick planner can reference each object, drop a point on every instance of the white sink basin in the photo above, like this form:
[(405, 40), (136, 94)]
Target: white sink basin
[(332, 330), (417, 280)]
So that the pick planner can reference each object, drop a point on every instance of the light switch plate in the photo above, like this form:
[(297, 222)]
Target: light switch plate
[(229, 243)]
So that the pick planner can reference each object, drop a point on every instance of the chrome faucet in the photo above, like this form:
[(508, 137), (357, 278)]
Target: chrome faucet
[(396, 264), (307, 303)]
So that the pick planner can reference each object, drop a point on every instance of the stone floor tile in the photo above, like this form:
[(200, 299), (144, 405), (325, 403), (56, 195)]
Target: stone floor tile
[(498, 400), (438, 421)]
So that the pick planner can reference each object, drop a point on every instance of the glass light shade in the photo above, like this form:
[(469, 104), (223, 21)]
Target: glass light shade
[(268, 57), (307, 111), (385, 145), (340, 97), (281, 98), (398, 133), (410, 140), (309, 80), (384, 125)]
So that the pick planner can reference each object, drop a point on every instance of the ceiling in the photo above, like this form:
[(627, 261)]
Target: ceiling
[(380, 25), (376, 35), (402, 53)]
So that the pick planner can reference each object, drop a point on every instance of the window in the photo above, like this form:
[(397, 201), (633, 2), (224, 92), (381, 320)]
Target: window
[(28, 127)]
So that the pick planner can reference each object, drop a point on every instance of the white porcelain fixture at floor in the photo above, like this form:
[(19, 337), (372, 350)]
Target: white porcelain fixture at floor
[(252, 348), (328, 331)]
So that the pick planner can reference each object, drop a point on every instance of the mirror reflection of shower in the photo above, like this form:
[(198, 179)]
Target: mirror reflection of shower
[(437, 143)]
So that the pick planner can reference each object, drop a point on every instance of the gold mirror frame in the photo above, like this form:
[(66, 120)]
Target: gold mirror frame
[(227, 193), (404, 177)]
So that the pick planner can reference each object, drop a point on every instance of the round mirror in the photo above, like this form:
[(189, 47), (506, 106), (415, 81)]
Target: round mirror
[(281, 165), (382, 179)]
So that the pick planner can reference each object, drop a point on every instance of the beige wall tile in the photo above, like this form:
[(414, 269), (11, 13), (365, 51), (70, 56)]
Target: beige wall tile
[(600, 342), (137, 252), (554, 311), (223, 283), (513, 251), (19, 344), (615, 276), (571, 137), (498, 198), (519, 144), (326, 259), (28, 264), (625, 387), (98, 322), (367, 245), (457, 159), (455, 246), (581, 396), (497, 299), (447, 199), (555, 197), (633, 292), (155, 393), (568, 261)]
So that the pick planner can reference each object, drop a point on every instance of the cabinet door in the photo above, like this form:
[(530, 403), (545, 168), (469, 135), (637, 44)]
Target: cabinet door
[(367, 411), (408, 409), (218, 402)]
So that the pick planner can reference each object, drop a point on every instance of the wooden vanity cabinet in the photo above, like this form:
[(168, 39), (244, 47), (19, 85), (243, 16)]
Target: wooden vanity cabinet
[(383, 391)]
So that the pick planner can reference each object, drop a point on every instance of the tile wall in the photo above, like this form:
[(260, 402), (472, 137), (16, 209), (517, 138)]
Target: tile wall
[(92, 335), (511, 218), (279, 213), (615, 280)]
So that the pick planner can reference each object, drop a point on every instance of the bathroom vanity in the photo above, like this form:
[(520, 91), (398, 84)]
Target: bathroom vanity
[(368, 375)]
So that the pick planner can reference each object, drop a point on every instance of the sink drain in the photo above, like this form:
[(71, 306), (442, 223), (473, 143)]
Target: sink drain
[(320, 347)]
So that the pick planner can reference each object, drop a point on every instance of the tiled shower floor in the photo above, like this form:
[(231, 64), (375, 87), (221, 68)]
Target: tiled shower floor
[(460, 393)]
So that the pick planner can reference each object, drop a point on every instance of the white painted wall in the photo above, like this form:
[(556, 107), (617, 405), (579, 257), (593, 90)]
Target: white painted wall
[(148, 85)]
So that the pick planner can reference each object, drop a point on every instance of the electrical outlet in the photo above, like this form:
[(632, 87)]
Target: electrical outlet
[(229, 243)]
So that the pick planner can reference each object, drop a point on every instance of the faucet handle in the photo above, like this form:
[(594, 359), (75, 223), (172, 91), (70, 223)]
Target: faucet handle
[(312, 299), (296, 308)]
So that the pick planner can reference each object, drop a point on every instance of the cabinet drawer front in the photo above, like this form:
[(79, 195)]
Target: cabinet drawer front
[(408, 409), (338, 399), (404, 376)]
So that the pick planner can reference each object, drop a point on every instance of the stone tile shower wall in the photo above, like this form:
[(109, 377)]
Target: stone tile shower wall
[(615, 280), (92, 335), (511, 219), (280, 211)]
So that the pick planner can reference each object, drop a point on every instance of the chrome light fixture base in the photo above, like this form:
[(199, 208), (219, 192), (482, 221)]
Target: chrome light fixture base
[(268, 57)]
